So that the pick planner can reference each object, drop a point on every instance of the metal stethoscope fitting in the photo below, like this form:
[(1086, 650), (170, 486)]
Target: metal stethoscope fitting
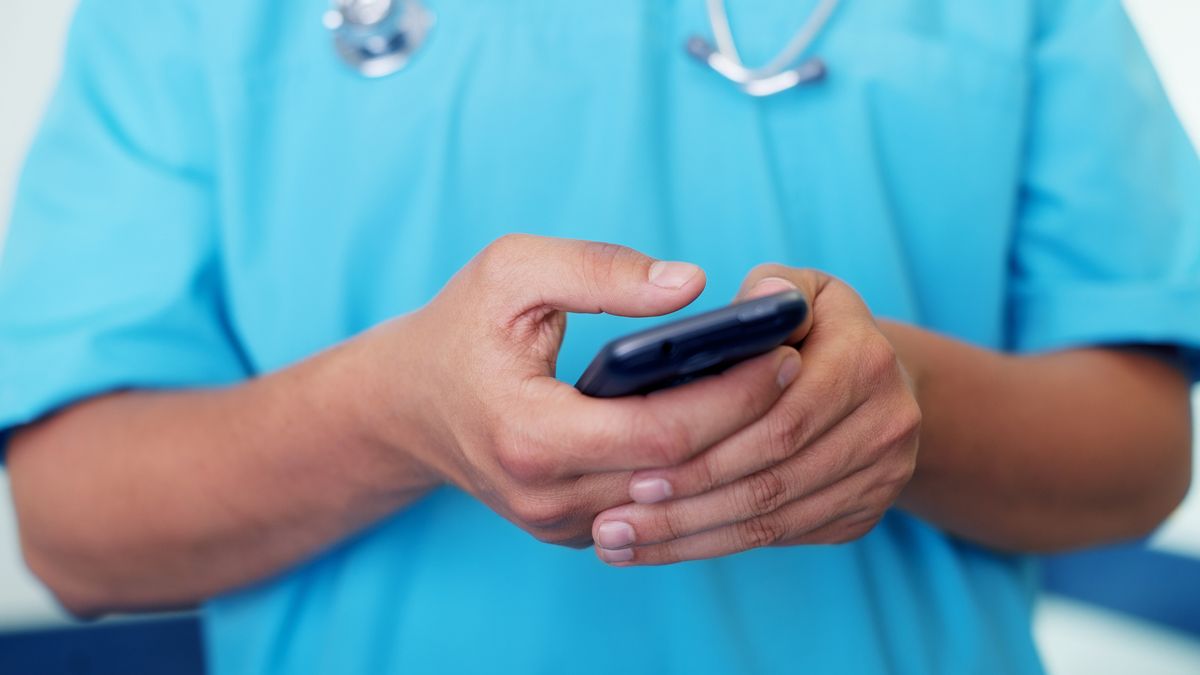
[(782, 72), (378, 37)]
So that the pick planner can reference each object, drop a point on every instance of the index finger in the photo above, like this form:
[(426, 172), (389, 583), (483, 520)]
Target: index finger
[(663, 428)]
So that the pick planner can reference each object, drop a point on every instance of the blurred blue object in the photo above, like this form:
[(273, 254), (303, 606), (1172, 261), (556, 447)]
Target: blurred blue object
[(1133, 579), (150, 647)]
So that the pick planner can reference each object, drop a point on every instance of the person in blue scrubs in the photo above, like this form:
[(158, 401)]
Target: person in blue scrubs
[(269, 344)]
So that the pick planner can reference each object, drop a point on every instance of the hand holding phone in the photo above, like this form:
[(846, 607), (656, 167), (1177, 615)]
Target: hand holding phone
[(822, 466)]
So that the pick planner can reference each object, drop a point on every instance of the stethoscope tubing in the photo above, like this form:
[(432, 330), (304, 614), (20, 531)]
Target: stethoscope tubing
[(377, 38), (718, 19)]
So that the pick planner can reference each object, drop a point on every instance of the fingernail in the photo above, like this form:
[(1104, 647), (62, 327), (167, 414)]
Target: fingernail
[(615, 556), (614, 534), (650, 490), (788, 371), (672, 275), (773, 285)]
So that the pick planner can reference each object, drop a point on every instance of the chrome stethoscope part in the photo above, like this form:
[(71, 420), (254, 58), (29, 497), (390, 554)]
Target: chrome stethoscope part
[(781, 73), (377, 37)]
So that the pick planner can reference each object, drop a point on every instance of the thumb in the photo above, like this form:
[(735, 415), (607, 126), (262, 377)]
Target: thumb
[(588, 277), (773, 278)]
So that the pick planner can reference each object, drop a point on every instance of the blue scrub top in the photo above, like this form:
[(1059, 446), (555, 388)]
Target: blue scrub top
[(214, 195)]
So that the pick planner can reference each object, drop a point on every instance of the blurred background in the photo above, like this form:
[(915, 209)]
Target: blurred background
[(1133, 608)]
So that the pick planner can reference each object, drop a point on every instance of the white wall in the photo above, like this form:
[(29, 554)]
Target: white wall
[(30, 40), (1171, 29), (31, 35)]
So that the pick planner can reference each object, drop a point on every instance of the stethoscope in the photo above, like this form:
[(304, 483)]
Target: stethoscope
[(378, 37)]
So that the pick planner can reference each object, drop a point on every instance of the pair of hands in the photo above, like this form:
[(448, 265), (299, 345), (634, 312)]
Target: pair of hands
[(806, 446)]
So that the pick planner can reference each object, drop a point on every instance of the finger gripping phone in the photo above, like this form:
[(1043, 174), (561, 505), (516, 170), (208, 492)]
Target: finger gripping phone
[(683, 350)]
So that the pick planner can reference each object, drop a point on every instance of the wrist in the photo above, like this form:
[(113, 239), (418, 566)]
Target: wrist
[(366, 400), (909, 345), (906, 341)]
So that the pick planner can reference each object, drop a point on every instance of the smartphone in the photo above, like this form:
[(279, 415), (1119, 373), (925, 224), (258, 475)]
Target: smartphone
[(683, 350)]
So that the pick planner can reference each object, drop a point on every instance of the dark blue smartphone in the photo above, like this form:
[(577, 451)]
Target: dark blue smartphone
[(683, 350)]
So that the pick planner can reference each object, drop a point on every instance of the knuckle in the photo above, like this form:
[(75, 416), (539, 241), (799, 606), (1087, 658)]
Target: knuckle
[(827, 513), (900, 476), (601, 261), (523, 462), (760, 532), (577, 542), (704, 473), (839, 292), (540, 516), (543, 535), (854, 531), (843, 532), (508, 244), (765, 491), (695, 477), (666, 553), (877, 355), (910, 419), (497, 257), (903, 425), (561, 536), (669, 526), (786, 431)]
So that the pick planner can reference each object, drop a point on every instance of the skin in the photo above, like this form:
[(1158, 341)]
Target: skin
[(1022, 454), (794, 447)]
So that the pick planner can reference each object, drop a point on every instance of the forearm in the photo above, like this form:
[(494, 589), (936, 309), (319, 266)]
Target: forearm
[(145, 500), (1044, 452)]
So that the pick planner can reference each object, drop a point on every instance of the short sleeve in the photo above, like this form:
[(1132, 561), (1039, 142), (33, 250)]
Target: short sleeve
[(110, 277), (1107, 247)]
